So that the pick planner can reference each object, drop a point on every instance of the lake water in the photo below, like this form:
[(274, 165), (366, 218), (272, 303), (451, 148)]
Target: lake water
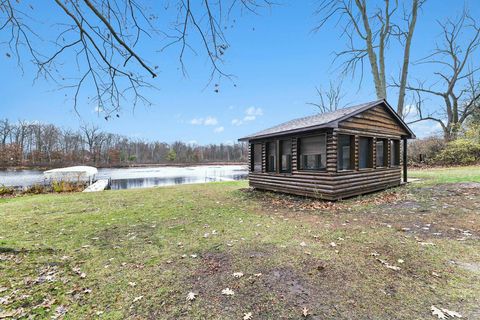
[(130, 178)]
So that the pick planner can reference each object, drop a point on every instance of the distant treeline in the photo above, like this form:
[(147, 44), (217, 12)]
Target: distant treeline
[(32, 144)]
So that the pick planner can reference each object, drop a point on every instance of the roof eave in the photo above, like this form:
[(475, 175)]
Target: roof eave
[(333, 124)]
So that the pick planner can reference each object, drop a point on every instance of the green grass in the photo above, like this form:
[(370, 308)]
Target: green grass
[(447, 175), (143, 251)]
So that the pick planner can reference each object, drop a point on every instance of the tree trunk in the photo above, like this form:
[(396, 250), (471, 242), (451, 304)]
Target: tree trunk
[(406, 60)]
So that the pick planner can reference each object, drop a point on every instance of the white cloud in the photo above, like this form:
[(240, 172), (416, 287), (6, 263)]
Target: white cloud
[(249, 118), (196, 121), (426, 128), (219, 129), (237, 122), (208, 121), (252, 111), (421, 129), (192, 142), (251, 114)]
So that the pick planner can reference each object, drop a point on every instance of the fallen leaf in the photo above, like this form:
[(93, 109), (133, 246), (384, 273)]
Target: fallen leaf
[(427, 243), (333, 244), (247, 316), (452, 314), (59, 312), (437, 312), (303, 244), (305, 312), (389, 266), (132, 284), (191, 296), (136, 299), (228, 292), (238, 274), (257, 275), (78, 271)]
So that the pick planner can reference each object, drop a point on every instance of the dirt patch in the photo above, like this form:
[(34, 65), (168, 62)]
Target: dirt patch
[(213, 263), (115, 236), (469, 266), (276, 201)]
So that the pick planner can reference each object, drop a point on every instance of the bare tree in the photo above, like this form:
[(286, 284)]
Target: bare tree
[(331, 99), (103, 38), (5, 130), (457, 84), (368, 34)]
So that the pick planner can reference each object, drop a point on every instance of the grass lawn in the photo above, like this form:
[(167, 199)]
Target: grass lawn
[(447, 175), (137, 254)]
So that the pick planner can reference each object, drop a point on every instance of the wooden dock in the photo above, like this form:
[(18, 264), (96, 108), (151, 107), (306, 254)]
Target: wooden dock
[(99, 185)]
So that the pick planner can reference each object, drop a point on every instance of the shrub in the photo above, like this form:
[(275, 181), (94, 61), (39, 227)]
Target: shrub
[(67, 186), (36, 189), (6, 191), (459, 152), (424, 151)]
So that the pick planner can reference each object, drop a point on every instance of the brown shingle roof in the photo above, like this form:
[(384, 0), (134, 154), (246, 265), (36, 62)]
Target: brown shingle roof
[(324, 120)]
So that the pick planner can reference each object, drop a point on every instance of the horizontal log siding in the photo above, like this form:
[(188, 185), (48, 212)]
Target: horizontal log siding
[(294, 154), (264, 157), (330, 186), (375, 120), (332, 151)]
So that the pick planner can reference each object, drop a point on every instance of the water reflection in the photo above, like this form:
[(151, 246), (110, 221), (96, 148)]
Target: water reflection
[(135, 183), (130, 178)]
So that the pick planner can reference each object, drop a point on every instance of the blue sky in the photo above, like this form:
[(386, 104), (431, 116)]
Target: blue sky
[(277, 62)]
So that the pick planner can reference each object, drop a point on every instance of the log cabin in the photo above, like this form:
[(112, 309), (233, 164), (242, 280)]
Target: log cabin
[(332, 156)]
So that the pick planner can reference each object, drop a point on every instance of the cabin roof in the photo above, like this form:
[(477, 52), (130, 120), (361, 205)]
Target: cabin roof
[(323, 120)]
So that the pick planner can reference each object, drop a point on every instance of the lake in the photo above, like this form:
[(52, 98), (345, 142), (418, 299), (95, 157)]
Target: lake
[(145, 177)]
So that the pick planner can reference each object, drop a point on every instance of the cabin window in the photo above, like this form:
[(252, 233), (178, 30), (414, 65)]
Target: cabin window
[(381, 152), (313, 152), (395, 149), (365, 152), (272, 156), (286, 156), (257, 157), (345, 152)]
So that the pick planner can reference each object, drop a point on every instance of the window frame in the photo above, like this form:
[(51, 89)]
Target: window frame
[(385, 153), (252, 155), (395, 144), (275, 155), (352, 152), (280, 153), (300, 166), (370, 159)]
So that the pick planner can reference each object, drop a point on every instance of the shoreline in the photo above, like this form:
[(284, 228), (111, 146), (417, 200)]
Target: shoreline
[(136, 165)]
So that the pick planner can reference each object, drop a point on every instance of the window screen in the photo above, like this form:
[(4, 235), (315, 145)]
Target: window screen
[(272, 156), (286, 156), (257, 157), (313, 152), (365, 152), (345, 154), (381, 152), (395, 149)]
